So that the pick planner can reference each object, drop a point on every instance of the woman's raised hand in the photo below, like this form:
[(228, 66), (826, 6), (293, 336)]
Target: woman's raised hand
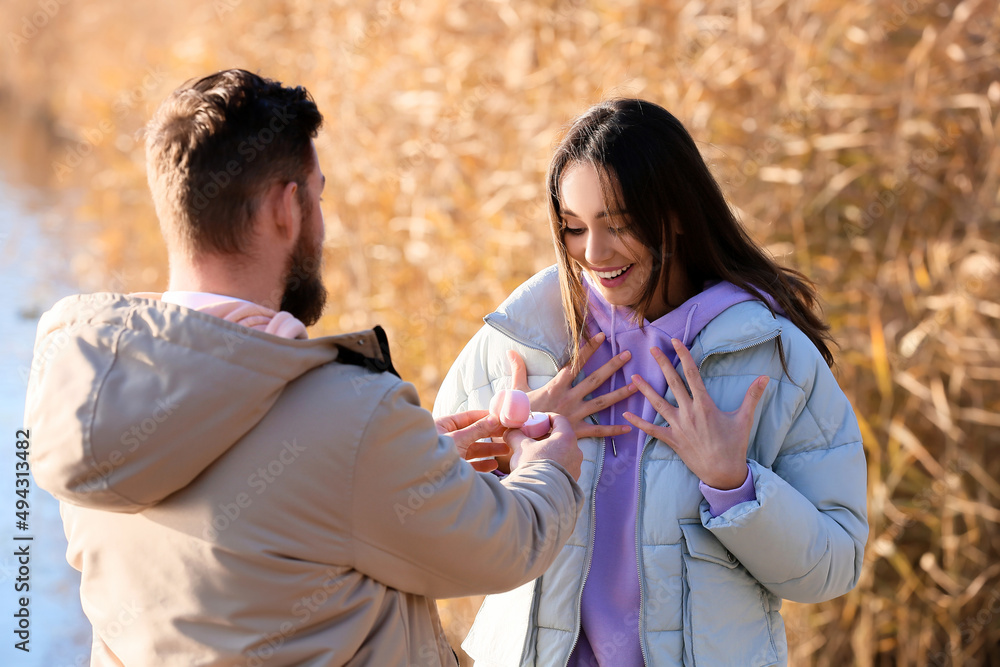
[(711, 443), (560, 396)]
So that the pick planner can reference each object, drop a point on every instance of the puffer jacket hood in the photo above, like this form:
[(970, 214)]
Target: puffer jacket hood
[(533, 316), (98, 449)]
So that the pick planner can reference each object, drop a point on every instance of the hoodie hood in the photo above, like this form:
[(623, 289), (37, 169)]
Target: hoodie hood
[(129, 399)]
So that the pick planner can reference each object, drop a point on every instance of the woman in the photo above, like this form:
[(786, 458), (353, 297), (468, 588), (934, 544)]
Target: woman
[(736, 486)]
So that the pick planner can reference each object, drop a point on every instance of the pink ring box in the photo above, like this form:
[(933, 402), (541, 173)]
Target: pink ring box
[(537, 425)]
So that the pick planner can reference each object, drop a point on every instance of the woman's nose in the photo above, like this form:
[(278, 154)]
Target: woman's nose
[(599, 248)]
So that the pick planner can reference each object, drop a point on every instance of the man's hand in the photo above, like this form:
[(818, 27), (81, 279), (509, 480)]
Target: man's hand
[(559, 446), (466, 429)]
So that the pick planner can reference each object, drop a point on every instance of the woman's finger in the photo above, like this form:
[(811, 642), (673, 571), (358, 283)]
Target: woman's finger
[(592, 382), (561, 382), (754, 393), (595, 405), (518, 371), (673, 378), (587, 351), (554, 395), (567, 374), (695, 383), (660, 404), (661, 433), (586, 429)]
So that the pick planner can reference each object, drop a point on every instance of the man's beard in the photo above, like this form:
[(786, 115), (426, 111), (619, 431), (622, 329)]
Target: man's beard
[(305, 294)]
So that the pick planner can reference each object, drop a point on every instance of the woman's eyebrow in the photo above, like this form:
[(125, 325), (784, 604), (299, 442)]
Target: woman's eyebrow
[(603, 214)]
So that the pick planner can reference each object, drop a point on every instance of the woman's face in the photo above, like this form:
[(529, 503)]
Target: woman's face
[(597, 238)]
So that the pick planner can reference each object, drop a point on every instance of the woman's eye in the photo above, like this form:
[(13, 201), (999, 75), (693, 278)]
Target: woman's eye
[(575, 231)]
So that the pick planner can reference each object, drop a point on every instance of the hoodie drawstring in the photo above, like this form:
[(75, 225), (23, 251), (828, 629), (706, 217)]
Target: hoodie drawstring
[(687, 325), (614, 376)]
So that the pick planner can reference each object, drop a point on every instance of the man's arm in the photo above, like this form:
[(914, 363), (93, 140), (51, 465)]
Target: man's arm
[(425, 522)]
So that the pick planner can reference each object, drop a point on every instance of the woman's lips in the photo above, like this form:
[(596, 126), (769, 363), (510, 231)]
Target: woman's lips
[(616, 281)]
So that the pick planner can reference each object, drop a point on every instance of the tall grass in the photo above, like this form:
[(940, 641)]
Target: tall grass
[(857, 140)]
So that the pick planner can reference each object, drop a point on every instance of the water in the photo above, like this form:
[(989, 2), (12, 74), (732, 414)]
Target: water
[(59, 632)]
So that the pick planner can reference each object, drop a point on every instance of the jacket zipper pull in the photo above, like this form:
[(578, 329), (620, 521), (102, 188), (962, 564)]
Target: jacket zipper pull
[(614, 450)]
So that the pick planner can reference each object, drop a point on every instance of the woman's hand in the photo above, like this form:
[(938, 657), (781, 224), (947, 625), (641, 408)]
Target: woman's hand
[(560, 396), (467, 429), (711, 443)]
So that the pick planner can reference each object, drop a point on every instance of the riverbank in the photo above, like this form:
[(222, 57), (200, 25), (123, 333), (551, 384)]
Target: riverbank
[(57, 634)]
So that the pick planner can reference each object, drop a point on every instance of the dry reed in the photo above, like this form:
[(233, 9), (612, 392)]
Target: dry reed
[(857, 140)]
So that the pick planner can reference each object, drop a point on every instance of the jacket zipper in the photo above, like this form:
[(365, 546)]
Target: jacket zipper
[(638, 553), (590, 546), (757, 341)]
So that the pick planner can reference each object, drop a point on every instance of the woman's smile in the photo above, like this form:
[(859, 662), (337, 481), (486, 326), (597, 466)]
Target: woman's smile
[(599, 241), (611, 278)]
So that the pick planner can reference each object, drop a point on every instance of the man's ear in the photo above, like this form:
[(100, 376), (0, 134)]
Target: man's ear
[(288, 216)]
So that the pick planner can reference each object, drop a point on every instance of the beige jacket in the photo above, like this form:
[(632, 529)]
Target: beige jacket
[(234, 498)]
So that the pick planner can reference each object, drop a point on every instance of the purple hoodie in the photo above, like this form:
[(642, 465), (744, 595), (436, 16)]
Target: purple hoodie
[(609, 633)]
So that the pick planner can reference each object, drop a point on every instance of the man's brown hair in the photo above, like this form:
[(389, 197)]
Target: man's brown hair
[(216, 145)]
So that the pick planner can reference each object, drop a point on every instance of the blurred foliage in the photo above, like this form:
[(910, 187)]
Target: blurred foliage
[(857, 141)]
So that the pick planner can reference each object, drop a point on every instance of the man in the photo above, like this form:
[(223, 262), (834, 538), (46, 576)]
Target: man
[(234, 493)]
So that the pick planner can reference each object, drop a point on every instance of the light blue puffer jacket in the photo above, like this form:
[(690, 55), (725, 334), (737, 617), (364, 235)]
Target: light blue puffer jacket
[(711, 587)]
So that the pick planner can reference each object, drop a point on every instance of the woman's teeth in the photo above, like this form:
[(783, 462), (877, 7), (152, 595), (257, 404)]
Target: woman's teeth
[(608, 275)]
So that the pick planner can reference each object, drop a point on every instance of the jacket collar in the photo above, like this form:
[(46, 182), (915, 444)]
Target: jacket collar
[(369, 348), (533, 316), (737, 328)]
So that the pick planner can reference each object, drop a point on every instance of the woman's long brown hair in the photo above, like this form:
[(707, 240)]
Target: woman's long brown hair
[(650, 167)]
